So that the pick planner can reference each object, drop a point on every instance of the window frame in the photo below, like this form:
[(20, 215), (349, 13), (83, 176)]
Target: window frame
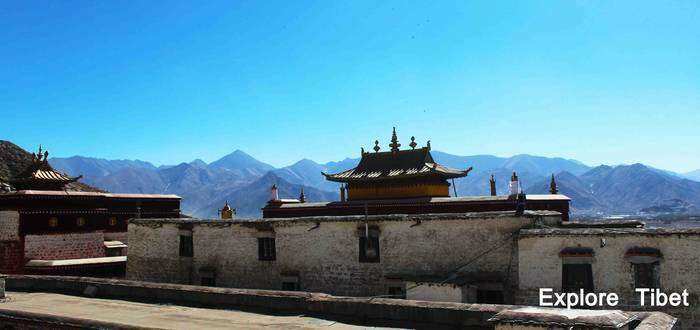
[(568, 272), (267, 249), (654, 277), (186, 246), (364, 247), (290, 286), (396, 292)]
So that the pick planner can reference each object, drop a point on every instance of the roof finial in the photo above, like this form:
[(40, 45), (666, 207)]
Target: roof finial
[(46, 156), (376, 146), (39, 155), (275, 193), (553, 186), (394, 141), (413, 143), (227, 211), (428, 145), (362, 151), (302, 197)]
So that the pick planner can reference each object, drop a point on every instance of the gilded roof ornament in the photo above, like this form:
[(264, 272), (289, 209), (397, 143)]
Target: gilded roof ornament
[(376, 146), (413, 143), (394, 141)]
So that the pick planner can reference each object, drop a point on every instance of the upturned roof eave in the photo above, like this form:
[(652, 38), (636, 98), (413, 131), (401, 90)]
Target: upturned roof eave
[(446, 175)]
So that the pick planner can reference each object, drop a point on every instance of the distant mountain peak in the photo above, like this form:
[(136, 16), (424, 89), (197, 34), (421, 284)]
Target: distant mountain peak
[(239, 160), (198, 163)]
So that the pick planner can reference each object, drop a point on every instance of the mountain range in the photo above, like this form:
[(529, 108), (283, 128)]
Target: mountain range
[(244, 181)]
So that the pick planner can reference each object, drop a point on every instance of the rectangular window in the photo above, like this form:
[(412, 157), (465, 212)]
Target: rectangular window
[(489, 297), (397, 292), (369, 243), (208, 281), (290, 286), (266, 248), (646, 275), (369, 249), (577, 276), (186, 249)]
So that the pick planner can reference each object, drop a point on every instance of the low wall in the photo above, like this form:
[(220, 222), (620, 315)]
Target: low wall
[(361, 311), (377, 311)]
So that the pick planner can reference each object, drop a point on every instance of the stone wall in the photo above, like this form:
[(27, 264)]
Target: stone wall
[(11, 257), (11, 247), (64, 246), (435, 292), (9, 226), (679, 268), (323, 253), (153, 254), (357, 311)]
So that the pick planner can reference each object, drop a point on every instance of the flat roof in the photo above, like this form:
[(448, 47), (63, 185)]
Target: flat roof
[(431, 200), (353, 218), (85, 194), (121, 313), (75, 262), (608, 231)]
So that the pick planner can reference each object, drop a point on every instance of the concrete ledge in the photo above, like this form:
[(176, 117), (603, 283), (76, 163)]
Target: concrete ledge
[(361, 311), (382, 311)]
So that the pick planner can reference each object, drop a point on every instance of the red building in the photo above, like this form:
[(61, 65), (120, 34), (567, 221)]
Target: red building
[(47, 229), (409, 182)]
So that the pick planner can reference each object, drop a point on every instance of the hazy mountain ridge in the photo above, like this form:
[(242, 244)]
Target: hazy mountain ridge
[(244, 181), (251, 198), (625, 189), (693, 175)]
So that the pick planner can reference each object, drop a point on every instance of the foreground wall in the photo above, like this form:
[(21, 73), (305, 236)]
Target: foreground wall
[(679, 264), (364, 311), (322, 254)]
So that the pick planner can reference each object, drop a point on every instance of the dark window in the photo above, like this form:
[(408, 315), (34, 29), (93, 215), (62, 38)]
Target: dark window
[(489, 296), (397, 292), (577, 276), (208, 281), (290, 286), (369, 248), (646, 275), (186, 249), (266, 248), (114, 252)]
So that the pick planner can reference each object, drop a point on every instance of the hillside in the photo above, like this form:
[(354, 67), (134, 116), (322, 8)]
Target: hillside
[(250, 199), (694, 175), (625, 189), (14, 159)]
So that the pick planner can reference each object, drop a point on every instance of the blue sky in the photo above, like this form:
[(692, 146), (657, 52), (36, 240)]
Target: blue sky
[(599, 81)]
